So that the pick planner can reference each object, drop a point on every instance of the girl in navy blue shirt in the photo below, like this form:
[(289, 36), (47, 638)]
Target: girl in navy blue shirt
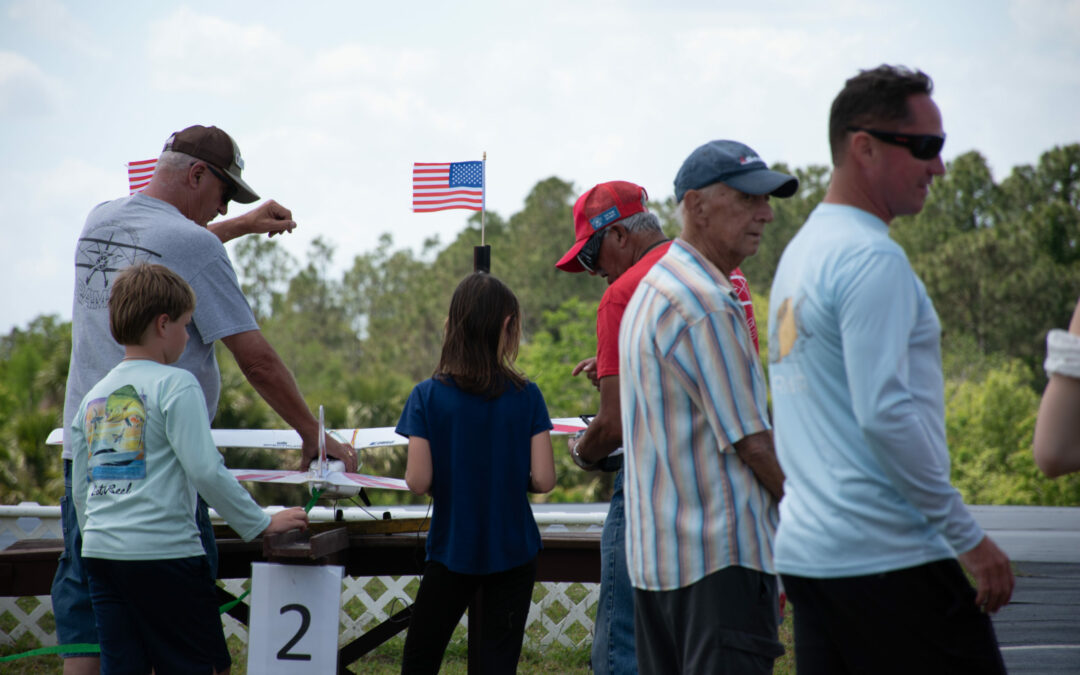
[(479, 441)]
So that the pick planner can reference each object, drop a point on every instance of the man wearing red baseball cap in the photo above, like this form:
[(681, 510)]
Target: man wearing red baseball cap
[(616, 237)]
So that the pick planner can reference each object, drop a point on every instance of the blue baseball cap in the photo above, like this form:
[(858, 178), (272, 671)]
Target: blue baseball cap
[(735, 165)]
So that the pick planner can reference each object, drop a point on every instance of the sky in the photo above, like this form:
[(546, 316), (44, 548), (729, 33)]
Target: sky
[(331, 103)]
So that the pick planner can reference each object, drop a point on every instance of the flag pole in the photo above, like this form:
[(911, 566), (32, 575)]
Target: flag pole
[(482, 253), (483, 195)]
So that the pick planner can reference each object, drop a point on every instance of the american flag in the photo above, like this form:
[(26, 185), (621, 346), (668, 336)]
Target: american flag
[(448, 185), (139, 174)]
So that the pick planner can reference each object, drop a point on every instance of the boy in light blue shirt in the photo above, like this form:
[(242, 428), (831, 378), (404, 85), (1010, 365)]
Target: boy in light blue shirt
[(143, 451)]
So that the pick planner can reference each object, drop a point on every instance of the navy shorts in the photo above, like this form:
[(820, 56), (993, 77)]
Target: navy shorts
[(160, 614), (72, 609)]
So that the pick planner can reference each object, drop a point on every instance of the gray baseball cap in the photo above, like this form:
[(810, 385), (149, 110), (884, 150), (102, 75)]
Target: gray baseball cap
[(735, 165)]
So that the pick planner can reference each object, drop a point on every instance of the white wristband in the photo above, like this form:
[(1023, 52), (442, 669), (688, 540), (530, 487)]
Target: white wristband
[(1062, 354)]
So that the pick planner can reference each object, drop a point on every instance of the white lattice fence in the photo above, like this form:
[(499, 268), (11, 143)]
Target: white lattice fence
[(560, 612)]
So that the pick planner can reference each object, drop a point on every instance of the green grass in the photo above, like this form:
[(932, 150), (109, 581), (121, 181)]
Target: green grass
[(386, 659)]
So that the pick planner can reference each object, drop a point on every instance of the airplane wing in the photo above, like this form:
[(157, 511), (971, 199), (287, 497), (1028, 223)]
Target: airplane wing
[(287, 439), (363, 480), (567, 425), (280, 476), (355, 481), (284, 439)]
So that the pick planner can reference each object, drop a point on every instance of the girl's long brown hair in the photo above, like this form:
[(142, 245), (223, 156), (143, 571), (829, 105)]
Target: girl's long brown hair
[(477, 354)]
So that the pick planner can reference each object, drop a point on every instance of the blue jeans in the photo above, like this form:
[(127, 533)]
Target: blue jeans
[(613, 641), (72, 608)]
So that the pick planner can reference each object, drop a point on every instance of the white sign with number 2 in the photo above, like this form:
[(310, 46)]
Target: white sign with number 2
[(295, 613)]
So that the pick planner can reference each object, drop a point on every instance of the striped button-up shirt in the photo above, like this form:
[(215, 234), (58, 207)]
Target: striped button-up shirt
[(691, 386)]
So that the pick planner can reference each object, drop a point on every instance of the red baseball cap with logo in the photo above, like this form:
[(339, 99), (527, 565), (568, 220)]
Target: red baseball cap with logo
[(602, 206)]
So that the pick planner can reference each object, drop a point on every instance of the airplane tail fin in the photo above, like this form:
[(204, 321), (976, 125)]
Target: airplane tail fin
[(322, 444)]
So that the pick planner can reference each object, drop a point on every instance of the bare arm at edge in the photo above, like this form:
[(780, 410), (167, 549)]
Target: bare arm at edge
[(541, 463), (1057, 428)]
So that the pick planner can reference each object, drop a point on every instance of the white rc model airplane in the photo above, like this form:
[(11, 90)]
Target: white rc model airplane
[(325, 474)]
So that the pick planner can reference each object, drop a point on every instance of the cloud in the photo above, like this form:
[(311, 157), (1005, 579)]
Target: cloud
[(47, 208), (205, 55), (51, 20), (1048, 22), (26, 91)]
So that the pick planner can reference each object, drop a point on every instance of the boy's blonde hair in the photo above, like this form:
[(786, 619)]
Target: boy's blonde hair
[(140, 294)]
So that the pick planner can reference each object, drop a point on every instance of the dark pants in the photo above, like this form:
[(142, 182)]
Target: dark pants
[(70, 588), (157, 614), (724, 623), (917, 620), (442, 599)]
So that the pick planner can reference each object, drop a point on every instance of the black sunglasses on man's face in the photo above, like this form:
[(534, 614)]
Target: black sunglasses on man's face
[(230, 187), (589, 255), (921, 146)]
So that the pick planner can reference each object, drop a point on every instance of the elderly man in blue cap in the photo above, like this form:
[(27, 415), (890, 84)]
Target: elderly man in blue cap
[(702, 480)]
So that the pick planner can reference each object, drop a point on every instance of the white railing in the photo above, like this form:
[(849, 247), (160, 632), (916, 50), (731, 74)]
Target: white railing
[(562, 613)]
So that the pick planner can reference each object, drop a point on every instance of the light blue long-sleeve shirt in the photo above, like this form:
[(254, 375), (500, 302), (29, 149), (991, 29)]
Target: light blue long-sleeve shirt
[(143, 449), (858, 400)]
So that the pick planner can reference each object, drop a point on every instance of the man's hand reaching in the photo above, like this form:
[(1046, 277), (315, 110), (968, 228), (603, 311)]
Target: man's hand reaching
[(334, 448)]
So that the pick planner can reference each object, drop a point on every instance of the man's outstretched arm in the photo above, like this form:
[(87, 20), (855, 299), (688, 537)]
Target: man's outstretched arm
[(268, 218), (269, 376)]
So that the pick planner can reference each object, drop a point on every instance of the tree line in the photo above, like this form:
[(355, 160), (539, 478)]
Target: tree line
[(1001, 261)]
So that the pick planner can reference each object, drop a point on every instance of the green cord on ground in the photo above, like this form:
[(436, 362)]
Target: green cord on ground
[(77, 648)]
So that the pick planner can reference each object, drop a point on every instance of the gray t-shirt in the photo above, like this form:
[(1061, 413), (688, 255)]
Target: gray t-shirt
[(143, 229)]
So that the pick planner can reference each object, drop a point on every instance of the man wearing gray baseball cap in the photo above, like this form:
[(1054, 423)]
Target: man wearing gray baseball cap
[(702, 482)]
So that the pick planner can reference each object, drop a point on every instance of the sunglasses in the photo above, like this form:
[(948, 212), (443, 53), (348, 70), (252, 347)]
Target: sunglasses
[(921, 146), (590, 253), (230, 187)]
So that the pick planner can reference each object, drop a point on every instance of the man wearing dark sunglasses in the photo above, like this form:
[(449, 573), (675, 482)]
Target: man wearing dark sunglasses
[(617, 238), (870, 527), (197, 174)]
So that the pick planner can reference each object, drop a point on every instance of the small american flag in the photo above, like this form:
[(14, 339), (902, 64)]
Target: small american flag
[(448, 185), (139, 174)]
